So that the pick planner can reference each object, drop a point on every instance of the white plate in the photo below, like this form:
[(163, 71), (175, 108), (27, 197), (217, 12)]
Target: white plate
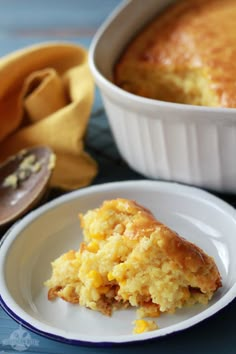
[(30, 246)]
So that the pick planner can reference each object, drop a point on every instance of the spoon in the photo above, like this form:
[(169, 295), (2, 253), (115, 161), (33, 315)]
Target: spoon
[(24, 179)]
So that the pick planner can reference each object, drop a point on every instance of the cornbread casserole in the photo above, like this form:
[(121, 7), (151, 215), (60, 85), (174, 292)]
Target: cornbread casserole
[(128, 258), (187, 54)]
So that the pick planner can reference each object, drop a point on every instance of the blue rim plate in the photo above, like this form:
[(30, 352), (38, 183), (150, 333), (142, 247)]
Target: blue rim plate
[(29, 247)]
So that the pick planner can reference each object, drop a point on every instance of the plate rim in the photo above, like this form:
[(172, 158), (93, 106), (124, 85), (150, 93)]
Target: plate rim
[(173, 188)]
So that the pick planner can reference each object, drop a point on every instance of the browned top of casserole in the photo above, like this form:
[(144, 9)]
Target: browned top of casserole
[(187, 54)]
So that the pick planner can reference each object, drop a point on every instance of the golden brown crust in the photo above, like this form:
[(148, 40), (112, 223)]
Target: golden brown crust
[(53, 292), (192, 259), (191, 41)]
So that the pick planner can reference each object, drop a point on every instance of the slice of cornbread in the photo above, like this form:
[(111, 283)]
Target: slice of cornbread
[(128, 258), (185, 55)]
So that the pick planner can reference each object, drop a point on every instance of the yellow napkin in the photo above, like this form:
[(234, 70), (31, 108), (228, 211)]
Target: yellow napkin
[(46, 95)]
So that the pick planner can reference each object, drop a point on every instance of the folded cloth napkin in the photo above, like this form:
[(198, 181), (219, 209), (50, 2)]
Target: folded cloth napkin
[(46, 95)]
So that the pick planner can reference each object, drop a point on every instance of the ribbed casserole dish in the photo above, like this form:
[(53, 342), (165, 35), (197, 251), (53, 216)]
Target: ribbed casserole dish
[(161, 140)]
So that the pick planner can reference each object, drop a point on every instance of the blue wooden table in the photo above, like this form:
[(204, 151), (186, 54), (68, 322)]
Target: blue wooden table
[(25, 22)]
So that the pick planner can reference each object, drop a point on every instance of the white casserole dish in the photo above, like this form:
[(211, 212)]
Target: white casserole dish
[(161, 140)]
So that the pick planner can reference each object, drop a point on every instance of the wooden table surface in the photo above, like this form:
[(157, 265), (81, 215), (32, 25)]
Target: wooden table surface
[(25, 22)]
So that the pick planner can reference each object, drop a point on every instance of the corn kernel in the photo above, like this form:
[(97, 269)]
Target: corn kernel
[(144, 326), (96, 278), (110, 276), (97, 236), (93, 247)]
